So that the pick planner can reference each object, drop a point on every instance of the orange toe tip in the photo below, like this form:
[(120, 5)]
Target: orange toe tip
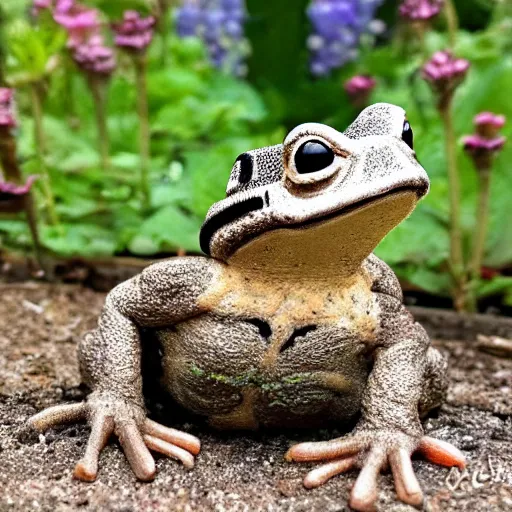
[(195, 449), (288, 457), (442, 453), (84, 474)]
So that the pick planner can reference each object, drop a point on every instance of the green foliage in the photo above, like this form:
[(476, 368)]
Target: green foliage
[(427, 229), (33, 51), (201, 119)]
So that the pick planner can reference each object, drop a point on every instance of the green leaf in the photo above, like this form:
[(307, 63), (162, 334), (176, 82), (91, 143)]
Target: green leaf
[(77, 208), (171, 85), (498, 285), (420, 239), (143, 245), (86, 240), (428, 279), (171, 229)]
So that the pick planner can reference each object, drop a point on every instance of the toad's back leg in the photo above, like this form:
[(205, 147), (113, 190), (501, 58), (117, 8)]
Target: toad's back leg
[(435, 382)]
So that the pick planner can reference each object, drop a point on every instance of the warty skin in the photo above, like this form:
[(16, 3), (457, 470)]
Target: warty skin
[(289, 319)]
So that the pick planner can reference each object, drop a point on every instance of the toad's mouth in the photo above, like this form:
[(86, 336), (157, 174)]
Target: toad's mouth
[(238, 210)]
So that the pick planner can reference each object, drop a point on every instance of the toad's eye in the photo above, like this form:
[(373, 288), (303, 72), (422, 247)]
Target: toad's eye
[(246, 168), (313, 156), (407, 135)]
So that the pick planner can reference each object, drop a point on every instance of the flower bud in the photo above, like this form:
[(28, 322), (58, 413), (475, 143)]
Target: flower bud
[(420, 10), (94, 57), (486, 142), (134, 33), (445, 73), (12, 196), (7, 108), (359, 88)]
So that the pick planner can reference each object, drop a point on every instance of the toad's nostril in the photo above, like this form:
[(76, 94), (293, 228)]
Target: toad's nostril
[(246, 168)]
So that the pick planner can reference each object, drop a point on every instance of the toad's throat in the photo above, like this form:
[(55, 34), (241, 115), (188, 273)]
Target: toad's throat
[(333, 246)]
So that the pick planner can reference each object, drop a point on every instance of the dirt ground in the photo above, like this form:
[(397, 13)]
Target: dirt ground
[(39, 329)]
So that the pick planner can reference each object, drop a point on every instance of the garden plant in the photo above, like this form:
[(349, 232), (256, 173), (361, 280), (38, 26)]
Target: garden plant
[(120, 122)]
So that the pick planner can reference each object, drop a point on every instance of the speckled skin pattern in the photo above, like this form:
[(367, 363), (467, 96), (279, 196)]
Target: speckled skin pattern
[(290, 319)]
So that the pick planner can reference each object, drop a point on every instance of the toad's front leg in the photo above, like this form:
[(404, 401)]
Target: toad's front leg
[(110, 363), (390, 430), (108, 414)]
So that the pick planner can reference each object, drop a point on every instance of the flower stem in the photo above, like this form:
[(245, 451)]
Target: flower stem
[(482, 220), (420, 30), (163, 29), (40, 143), (10, 166), (70, 96), (452, 19), (99, 88), (144, 131), (456, 257)]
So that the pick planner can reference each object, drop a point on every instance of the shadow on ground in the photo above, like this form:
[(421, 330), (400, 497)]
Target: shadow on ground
[(39, 329)]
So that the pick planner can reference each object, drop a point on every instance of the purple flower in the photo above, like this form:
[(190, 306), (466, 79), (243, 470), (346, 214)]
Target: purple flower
[(134, 33), (337, 28), (7, 108), (220, 24), (188, 20), (444, 73), (486, 142), (328, 18), (94, 57), (420, 10)]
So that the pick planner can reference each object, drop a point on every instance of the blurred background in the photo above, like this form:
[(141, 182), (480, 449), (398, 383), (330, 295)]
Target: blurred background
[(120, 122)]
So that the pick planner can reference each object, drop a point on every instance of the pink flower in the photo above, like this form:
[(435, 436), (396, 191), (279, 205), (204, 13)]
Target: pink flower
[(488, 124), (9, 191), (443, 66), (479, 143), (62, 6), (359, 84), (7, 108), (79, 21), (12, 196), (359, 88), (445, 73), (41, 5), (486, 142), (420, 10), (94, 57), (134, 33)]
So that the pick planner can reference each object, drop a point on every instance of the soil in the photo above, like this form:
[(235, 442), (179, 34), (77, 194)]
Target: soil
[(39, 328)]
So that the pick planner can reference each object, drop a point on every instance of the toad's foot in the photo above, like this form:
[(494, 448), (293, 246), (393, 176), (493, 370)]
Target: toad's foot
[(372, 452), (137, 435)]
